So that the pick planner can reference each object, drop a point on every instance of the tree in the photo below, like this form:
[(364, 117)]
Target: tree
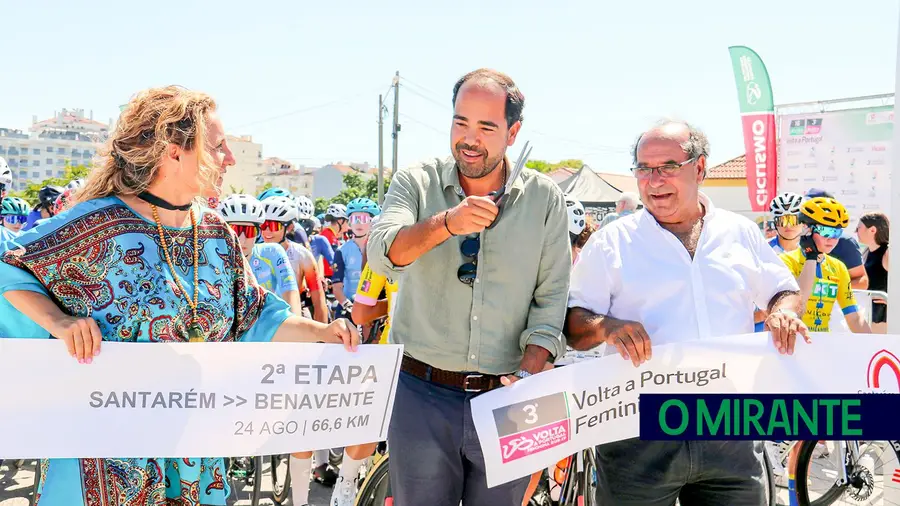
[(372, 187), (234, 190), (30, 193), (545, 167), (321, 204), (265, 187), (354, 188)]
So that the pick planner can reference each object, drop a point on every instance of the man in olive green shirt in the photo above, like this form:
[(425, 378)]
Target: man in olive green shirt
[(475, 304)]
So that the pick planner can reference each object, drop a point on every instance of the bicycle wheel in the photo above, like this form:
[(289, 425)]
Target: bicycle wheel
[(588, 485), (280, 469), (376, 488), (244, 475), (826, 485), (769, 477)]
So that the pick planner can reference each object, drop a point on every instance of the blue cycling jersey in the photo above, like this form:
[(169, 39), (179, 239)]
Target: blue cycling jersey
[(348, 266), (272, 268), (6, 234)]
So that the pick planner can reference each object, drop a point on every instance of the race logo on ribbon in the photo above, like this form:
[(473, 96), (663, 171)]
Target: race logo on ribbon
[(532, 426), (881, 360)]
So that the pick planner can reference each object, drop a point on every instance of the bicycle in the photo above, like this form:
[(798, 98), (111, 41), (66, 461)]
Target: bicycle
[(280, 471), (854, 474), (240, 473), (375, 489)]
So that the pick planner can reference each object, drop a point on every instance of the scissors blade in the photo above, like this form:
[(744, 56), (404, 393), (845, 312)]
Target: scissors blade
[(517, 168)]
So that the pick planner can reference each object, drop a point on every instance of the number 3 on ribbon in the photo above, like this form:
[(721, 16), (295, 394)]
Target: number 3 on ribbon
[(531, 409)]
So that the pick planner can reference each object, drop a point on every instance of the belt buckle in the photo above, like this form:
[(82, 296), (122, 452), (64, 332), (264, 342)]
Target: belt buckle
[(466, 382)]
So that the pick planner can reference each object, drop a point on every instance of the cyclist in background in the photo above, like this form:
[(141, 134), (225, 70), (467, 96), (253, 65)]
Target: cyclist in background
[(579, 231), (5, 178), (348, 263), (280, 213), (335, 227), (373, 300), (304, 212), (269, 262), (785, 209), (46, 200), (15, 213), (823, 279), (847, 250)]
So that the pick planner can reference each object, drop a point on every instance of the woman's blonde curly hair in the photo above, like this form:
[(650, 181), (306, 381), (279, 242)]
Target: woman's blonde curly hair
[(152, 120)]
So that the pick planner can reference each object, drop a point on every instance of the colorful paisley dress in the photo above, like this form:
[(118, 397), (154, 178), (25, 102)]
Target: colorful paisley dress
[(101, 259)]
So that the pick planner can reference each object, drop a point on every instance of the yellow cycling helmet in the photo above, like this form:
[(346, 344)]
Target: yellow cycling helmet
[(824, 211)]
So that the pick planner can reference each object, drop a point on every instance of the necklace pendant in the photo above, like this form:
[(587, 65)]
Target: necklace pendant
[(195, 334)]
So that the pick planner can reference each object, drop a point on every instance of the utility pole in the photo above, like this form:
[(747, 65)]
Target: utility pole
[(380, 150), (396, 118)]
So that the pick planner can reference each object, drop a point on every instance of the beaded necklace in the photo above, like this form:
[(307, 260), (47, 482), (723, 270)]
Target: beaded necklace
[(195, 331)]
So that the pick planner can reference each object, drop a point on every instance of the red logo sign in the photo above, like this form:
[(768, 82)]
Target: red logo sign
[(879, 361)]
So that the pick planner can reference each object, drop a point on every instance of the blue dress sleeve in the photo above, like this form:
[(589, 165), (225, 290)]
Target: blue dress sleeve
[(257, 312), (14, 275), (322, 248)]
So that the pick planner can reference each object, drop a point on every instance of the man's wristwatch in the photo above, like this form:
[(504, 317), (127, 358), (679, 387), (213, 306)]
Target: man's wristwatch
[(521, 373)]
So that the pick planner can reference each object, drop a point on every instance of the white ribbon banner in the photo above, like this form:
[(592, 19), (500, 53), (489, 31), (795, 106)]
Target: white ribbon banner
[(545, 418), (189, 399)]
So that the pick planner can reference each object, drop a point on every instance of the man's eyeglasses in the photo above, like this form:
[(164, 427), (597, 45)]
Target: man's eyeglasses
[(272, 226), (788, 220), (15, 219), (828, 232), (468, 271), (666, 170), (360, 219), (248, 231)]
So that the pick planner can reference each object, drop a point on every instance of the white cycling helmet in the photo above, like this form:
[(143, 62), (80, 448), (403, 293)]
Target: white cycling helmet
[(242, 208), (786, 204), (575, 212), (336, 211), (5, 173), (75, 184), (281, 209), (305, 207)]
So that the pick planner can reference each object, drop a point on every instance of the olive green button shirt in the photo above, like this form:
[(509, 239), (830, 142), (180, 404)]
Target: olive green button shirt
[(520, 293)]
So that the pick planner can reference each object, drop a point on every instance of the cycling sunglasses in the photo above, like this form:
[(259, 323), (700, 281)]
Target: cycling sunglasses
[(468, 271), (360, 219), (272, 226), (788, 220), (828, 232), (15, 219), (248, 231)]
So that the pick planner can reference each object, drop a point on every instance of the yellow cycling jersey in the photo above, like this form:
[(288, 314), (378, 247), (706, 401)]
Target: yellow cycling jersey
[(832, 285), (370, 286)]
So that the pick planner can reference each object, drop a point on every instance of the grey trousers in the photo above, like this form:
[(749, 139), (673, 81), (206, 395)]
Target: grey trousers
[(436, 459), (697, 473)]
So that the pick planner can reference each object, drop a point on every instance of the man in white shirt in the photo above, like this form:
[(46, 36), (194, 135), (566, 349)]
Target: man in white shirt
[(679, 270), (626, 204)]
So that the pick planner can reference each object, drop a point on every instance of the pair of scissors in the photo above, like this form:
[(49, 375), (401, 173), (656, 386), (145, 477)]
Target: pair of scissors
[(499, 196)]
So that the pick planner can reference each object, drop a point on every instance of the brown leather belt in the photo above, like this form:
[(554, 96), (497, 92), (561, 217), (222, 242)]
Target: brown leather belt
[(467, 382)]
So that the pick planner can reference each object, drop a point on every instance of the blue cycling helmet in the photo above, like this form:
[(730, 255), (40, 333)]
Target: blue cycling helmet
[(363, 205), (320, 217), (274, 192)]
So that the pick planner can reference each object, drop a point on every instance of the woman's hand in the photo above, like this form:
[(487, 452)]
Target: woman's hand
[(340, 331), (81, 335)]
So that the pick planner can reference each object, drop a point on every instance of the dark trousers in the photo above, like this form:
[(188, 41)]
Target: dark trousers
[(697, 473), (436, 459)]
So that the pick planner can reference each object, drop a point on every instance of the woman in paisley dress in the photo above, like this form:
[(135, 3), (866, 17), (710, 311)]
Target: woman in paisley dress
[(139, 260)]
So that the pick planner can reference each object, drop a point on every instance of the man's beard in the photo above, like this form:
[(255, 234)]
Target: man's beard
[(479, 169)]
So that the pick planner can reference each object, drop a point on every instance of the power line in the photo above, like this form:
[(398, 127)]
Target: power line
[(435, 102), (426, 125), (306, 109), (423, 88)]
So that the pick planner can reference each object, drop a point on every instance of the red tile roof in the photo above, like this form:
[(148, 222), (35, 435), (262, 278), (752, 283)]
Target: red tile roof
[(732, 169), (561, 174)]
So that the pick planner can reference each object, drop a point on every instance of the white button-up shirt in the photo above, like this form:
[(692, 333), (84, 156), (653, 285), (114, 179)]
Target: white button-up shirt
[(633, 269)]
